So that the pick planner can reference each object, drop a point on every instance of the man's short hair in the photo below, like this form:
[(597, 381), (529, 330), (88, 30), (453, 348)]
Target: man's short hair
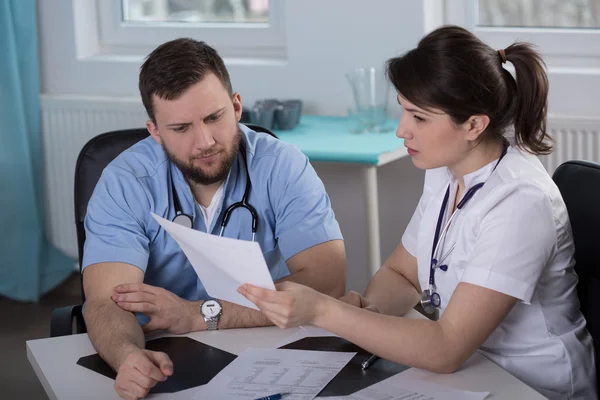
[(175, 66)]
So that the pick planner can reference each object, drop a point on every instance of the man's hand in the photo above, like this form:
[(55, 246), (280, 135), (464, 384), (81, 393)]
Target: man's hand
[(357, 300), (166, 310), (140, 371)]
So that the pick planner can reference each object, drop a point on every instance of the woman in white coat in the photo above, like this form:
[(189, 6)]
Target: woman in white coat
[(490, 243)]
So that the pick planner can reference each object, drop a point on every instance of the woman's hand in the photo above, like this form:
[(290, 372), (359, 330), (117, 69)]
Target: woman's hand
[(357, 300), (290, 305)]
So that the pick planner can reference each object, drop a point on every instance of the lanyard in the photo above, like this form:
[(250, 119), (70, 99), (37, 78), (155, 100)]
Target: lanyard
[(439, 232)]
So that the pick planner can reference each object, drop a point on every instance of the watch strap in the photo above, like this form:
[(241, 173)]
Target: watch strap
[(211, 323)]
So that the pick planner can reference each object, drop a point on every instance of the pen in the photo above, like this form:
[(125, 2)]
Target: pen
[(369, 361), (277, 396)]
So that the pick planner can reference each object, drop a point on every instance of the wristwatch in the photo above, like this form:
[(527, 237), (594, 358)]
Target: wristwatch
[(211, 310)]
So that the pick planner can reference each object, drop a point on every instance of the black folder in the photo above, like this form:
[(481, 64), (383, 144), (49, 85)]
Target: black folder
[(352, 377), (194, 363)]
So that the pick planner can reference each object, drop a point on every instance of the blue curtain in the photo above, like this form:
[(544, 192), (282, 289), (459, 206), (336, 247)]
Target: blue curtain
[(29, 265)]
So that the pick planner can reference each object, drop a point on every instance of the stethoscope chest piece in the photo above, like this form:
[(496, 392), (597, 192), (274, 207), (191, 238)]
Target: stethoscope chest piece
[(183, 220), (430, 300)]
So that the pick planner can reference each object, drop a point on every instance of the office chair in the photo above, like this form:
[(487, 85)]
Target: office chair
[(92, 159), (579, 185)]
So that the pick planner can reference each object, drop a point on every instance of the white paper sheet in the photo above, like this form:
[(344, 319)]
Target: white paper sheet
[(402, 387), (257, 373), (222, 264)]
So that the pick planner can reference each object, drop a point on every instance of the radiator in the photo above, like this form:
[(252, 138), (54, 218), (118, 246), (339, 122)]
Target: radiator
[(574, 139), (69, 122)]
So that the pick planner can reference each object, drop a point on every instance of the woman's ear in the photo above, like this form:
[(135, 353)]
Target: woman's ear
[(476, 125)]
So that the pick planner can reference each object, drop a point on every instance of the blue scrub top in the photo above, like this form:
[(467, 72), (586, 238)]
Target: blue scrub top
[(294, 211)]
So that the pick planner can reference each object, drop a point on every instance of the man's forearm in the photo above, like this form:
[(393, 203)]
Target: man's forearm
[(113, 331), (329, 284), (236, 316)]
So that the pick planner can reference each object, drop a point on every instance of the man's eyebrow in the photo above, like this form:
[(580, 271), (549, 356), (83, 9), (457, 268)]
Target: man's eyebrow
[(216, 112), (189, 123)]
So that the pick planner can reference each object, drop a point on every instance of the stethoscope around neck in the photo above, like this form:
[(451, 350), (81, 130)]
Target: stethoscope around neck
[(430, 298), (186, 220)]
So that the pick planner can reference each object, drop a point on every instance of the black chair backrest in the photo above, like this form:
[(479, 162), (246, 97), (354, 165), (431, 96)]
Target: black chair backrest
[(93, 158), (579, 185)]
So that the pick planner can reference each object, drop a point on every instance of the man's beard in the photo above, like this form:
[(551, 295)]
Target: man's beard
[(197, 175)]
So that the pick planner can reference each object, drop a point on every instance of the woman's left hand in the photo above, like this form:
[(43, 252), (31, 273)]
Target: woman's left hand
[(289, 306)]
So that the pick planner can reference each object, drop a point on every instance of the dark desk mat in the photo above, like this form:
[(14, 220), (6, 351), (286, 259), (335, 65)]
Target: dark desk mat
[(352, 377), (194, 363)]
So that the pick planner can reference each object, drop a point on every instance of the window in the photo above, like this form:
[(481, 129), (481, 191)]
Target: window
[(567, 32), (207, 11), (540, 13), (236, 28)]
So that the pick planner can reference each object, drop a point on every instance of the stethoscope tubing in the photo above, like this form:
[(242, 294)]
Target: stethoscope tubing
[(186, 220)]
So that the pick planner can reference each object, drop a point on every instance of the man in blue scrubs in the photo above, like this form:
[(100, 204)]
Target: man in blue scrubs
[(132, 267)]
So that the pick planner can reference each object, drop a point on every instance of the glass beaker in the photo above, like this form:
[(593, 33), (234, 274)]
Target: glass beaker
[(371, 91)]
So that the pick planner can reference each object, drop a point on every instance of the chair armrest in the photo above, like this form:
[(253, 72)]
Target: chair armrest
[(62, 319)]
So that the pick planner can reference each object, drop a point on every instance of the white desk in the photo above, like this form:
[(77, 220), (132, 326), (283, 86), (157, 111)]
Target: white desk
[(54, 360)]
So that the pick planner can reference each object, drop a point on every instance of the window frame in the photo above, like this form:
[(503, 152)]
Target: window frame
[(233, 40), (572, 47)]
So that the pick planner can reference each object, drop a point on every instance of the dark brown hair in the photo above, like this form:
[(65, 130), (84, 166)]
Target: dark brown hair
[(452, 70), (175, 66)]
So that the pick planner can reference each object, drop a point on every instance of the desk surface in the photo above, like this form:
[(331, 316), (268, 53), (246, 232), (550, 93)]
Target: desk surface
[(324, 138), (54, 361)]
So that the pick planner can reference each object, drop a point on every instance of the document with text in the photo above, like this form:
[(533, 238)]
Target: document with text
[(222, 264), (262, 372)]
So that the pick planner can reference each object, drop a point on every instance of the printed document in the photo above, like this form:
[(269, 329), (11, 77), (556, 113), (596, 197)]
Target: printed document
[(222, 264), (262, 372)]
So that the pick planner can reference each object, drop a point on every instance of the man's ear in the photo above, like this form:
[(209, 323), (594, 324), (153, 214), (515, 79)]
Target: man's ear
[(153, 130), (237, 106), (476, 125)]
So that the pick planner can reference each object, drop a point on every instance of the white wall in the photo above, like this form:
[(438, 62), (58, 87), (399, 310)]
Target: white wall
[(325, 38), (400, 186)]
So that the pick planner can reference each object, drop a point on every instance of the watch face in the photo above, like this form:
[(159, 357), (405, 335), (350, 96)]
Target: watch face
[(211, 308)]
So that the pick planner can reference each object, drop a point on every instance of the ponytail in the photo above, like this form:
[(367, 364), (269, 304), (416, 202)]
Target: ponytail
[(454, 71), (530, 97)]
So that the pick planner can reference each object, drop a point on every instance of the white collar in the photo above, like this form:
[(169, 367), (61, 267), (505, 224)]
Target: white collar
[(475, 177)]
